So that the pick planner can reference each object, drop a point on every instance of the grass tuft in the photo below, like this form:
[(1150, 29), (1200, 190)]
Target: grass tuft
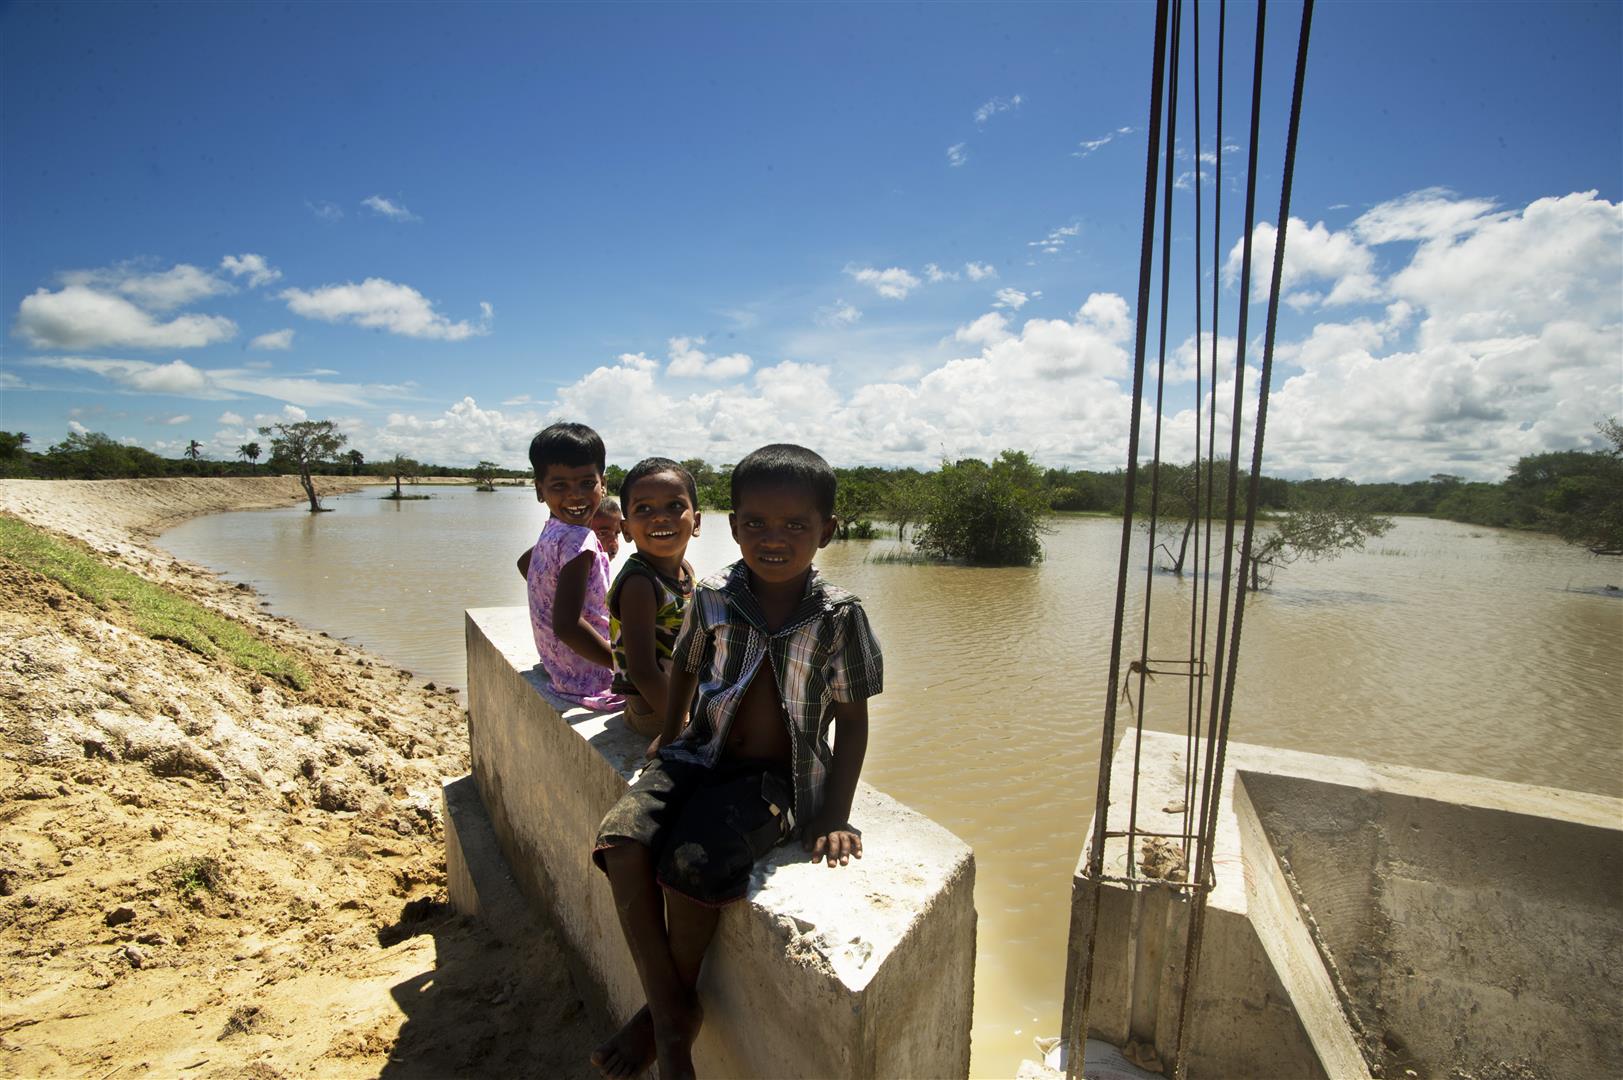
[(155, 611), (200, 873)]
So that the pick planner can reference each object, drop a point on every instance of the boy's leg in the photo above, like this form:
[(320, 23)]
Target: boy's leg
[(638, 903), (691, 927)]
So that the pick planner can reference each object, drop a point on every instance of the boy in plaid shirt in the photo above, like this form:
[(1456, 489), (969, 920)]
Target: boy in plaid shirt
[(768, 655)]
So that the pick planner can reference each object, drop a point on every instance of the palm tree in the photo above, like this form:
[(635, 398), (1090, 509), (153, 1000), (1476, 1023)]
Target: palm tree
[(249, 452), (194, 450)]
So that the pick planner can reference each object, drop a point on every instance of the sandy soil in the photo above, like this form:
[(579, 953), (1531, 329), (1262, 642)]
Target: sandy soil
[(207, 874)]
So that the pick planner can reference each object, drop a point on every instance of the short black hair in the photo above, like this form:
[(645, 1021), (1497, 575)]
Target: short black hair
[(786, 465), (567, 444), (653, 466)]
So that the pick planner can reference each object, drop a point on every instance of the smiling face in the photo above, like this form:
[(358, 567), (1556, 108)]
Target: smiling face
[(660, 516), (779, 531), (606, 524), (571, 492)]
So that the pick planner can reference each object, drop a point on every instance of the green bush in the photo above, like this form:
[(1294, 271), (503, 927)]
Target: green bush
[(990, 515)]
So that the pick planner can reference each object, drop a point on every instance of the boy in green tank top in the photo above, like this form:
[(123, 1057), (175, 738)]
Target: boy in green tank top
[(660, 503)]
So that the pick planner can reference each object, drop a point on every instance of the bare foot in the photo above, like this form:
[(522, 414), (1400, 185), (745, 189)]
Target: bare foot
[(630, 1051), (674, 1042)]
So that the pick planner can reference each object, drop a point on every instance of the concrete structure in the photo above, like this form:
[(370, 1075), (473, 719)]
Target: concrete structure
[(1368, 915), (863, 971)]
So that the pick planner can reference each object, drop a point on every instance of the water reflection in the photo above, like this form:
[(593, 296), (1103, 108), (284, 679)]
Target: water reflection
[(1446, 647)]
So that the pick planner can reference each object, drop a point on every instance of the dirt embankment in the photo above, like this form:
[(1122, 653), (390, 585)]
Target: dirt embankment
[(207, 873)]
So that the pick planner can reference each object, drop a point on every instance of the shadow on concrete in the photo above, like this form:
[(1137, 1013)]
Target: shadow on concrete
[(486, 1008)]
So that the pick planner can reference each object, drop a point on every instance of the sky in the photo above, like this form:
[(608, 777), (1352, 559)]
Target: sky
[(896, 233)]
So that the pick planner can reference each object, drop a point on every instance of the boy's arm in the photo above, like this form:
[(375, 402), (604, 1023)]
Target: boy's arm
[(678, 699), (638, 608), (830, 835), (568, 623), (524, 563)]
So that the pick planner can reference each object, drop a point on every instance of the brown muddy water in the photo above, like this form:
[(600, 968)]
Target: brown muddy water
[(1444, 646)]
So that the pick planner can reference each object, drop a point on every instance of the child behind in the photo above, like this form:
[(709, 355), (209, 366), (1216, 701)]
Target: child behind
[(568, 571), (753, 767), (650, 594), (606, 524)]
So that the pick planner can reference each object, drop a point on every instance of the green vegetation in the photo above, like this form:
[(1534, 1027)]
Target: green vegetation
[(1312, 534), (153, 610), (298, 446), (990, 515), (190, 876)]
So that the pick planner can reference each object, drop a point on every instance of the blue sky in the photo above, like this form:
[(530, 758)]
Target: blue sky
[(891, 232)]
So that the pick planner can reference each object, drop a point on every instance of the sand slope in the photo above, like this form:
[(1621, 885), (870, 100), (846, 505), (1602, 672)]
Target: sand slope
[(323, 945)]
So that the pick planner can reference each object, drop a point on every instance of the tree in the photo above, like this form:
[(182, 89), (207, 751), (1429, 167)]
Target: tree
[(11, 442), (986, 514), (1321, 530), (854, 500), (194, 450), (249, 452), (906, 500), (1585, 505), (402, 467), (303, 444), (485, 474), (356, 462)]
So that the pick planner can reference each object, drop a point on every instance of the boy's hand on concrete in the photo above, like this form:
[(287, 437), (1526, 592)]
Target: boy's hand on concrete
[(836, 843)]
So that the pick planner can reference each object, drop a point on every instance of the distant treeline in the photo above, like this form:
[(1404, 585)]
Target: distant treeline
[(1551, 491)]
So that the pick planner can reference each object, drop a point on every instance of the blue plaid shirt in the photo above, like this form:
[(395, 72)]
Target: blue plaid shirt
[(823, 653)]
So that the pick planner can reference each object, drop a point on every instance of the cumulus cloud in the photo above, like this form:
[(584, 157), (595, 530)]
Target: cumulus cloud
[(253, 267), (1013, 299), (276, 339), (996, 105), (230, 418), (979, 271), (78, 316), (388, 208), (934, 274), (893, 283), (164, 290), (180, 379), (688, 361), (383, 305), (957, 154), (1312, 253)]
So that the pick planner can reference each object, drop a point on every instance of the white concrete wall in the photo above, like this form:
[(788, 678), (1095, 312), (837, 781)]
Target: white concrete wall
[(1466, 921), (863, 971)]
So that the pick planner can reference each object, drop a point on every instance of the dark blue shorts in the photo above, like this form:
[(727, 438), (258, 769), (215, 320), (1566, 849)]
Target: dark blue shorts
[(705, 827)]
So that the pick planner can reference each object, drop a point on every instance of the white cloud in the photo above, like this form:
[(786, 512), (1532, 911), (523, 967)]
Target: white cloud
[(81, 317), (979, 271), (1013, 299), (521, 399), (230, 419), (687, 361), (995, 106), (253, 267), (957, 154), (1312, 253), (276, 339), (1431, 214), (77, 428), (893, 283), (165, 290), (838, 313), (1056, 239), (326, 211), (385, 305), (176, 377), (171, 421), (388, 208), (1088, 146)]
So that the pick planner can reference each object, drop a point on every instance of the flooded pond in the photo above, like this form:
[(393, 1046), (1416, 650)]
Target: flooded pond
[(1444, 646)]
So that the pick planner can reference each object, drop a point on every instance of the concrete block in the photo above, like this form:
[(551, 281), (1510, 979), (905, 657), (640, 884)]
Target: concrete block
[(863, 971), (1366, 914)]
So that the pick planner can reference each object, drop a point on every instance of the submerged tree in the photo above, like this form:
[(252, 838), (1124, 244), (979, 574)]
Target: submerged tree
[(1320, 531), (303, 444), (485, 474), (1585, 505), (401, 467), (986, 514)]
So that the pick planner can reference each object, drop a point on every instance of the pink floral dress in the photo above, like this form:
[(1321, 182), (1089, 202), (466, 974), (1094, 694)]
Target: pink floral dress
[(574, 678)]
